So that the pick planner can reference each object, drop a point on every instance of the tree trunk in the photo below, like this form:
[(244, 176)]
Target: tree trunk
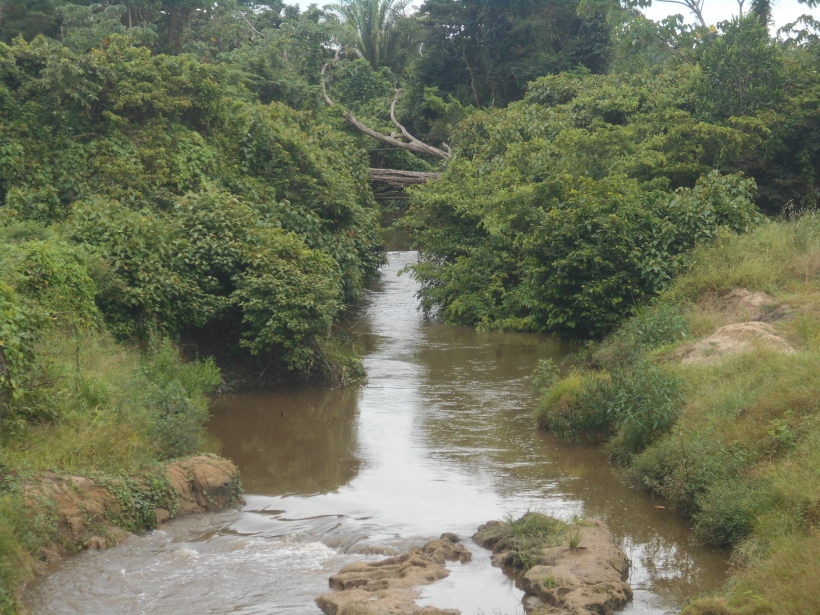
[(401, 179)]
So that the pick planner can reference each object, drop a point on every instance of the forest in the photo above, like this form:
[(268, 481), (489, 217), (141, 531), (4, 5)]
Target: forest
[(193, 191)]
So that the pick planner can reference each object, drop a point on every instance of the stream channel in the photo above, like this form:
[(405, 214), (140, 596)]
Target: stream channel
[(441, 439)]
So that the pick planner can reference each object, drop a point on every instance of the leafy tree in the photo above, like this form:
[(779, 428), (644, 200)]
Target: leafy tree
[(557, 214), (28, 18), (743, 69), (484, 52), (209, 208), (377, 29)]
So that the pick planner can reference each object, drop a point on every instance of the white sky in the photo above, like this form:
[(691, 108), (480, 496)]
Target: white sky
[(785, 11)]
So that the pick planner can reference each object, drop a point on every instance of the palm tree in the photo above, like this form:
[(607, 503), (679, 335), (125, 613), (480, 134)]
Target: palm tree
[(375, 28)]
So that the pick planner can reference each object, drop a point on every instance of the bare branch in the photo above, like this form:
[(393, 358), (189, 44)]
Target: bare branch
[(695, 6), (325, 66), (241, 14), (427, 149), (414, 145), (470, 69)]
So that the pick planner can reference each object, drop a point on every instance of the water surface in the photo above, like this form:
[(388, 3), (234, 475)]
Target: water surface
[(442, 439)]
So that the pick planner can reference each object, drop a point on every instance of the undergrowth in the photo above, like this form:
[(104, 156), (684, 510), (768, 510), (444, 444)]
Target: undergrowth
[(528, 536)]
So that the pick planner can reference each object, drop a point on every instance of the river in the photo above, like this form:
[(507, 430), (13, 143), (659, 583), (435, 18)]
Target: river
[(441, 439)]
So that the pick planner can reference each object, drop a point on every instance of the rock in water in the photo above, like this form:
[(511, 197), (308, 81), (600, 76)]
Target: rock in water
[(387, 587), (586, 580), (204, 483)]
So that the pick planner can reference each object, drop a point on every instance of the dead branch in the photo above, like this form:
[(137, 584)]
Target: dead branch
[(412, 144), (249, 23)]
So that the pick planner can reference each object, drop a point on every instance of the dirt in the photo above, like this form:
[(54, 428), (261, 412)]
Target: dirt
[(387, 587), (740, 304), (732, 340), (88, 513), (588, 579)]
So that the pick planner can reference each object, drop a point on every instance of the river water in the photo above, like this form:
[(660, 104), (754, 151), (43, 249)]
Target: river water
[(441, 439)]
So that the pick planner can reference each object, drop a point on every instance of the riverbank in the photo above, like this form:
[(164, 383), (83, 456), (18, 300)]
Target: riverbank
[(709, 398), (87, 448)]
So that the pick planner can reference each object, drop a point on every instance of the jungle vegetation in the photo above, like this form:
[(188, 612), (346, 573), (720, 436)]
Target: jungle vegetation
[(173, 171)]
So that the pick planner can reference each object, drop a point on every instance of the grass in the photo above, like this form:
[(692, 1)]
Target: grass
[(741, 451), (535, 531)]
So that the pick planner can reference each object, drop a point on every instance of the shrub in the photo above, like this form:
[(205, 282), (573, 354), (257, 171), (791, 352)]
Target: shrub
[(177, 420), (644, 401), (576, 406), (634, 404), (728, 509)]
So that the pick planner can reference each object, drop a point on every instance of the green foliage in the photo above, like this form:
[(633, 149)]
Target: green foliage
[(378, 29), (644, 402), (288, 298), (727, 511), (522, 241), (738, 453), (632, 405), (19, 334), (742, 69), (484, 53), (195, 202)]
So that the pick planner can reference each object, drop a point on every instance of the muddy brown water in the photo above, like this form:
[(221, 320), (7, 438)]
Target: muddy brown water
[(441, 439)]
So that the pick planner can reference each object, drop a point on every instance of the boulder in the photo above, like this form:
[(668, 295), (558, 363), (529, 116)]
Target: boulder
[(735, 339), (204, 483), (740, 304), (386, 587), (585, 580)]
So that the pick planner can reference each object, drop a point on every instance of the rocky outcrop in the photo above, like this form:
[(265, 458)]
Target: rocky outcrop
[(386, 587), (97, 512), (583, 572), (735, 339), (204, 483)]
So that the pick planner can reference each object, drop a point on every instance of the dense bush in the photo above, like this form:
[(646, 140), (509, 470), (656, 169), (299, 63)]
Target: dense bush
[(517, 247), (632, 405), (195, 202)]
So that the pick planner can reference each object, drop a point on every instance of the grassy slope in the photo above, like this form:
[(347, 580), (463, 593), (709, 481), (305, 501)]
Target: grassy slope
[(740, 451)]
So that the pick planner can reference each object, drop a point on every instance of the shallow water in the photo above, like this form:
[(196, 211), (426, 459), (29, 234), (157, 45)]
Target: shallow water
[(442, 439)]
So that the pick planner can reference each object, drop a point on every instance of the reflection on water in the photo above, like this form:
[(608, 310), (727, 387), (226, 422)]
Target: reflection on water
[(442, 439), (314, 448)]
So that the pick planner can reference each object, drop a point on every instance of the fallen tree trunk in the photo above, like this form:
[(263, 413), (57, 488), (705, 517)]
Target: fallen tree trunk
[(401, 179)]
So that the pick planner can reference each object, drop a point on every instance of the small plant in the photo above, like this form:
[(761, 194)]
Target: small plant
[(549, 582), (534, 525), (545, 376), (574, 538)]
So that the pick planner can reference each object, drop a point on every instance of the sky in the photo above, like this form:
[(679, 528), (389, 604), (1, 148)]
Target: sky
[(714, 11)]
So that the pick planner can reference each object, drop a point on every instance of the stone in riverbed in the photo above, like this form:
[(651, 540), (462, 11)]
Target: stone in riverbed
[(587, 580), (386, 587)]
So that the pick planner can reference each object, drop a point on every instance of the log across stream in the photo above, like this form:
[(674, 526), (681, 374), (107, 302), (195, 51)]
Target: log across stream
[(440, 440)]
